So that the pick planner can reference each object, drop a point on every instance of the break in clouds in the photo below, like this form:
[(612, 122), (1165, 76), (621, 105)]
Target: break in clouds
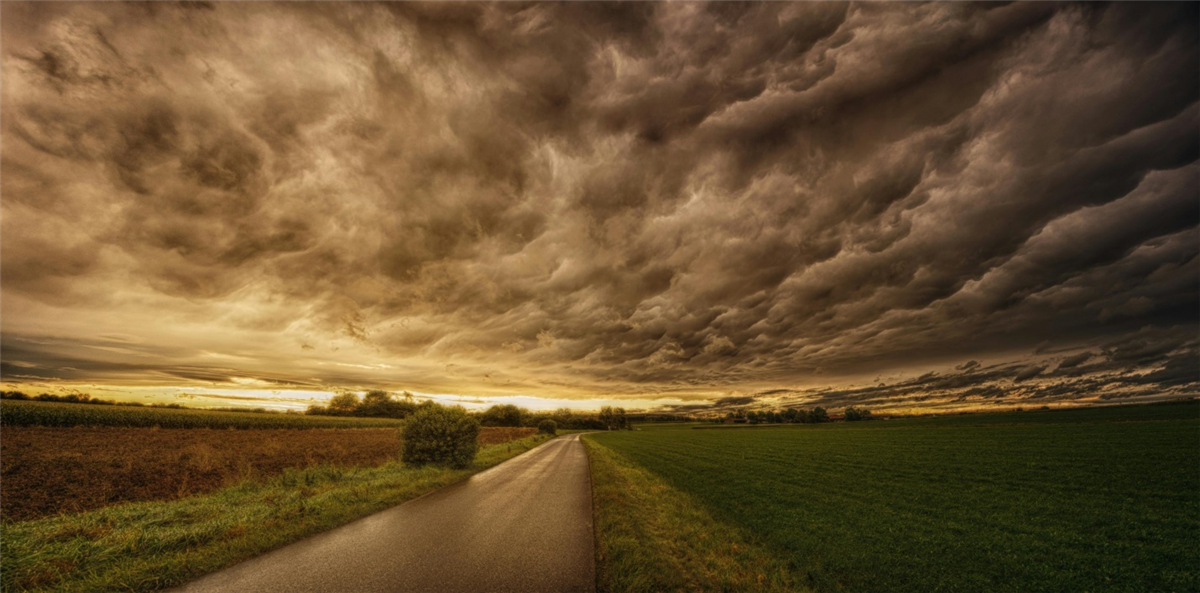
[(876, 203)]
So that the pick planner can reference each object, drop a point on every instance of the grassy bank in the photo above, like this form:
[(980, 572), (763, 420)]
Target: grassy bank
[(1100, 499), (651, 537), (35, 413), (154, 545)]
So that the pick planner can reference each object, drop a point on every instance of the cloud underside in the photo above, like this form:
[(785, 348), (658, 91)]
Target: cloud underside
[(595, 198)]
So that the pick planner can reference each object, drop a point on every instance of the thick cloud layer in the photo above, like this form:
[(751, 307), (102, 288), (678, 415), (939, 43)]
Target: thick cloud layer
[(584, 199)]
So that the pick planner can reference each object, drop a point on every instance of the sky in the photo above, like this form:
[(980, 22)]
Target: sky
[(689, 206)]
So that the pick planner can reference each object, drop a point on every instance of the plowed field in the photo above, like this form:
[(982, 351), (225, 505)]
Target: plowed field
[(46, 471)]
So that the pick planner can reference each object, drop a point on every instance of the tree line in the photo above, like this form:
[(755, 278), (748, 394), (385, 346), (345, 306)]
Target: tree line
[(381, 404), (815, 415), (81, 398)]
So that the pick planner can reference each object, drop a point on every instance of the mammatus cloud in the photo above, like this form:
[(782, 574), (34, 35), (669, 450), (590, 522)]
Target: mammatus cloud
[(583, 199)]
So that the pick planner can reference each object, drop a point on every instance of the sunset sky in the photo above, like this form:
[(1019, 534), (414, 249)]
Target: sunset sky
[(680, 205)]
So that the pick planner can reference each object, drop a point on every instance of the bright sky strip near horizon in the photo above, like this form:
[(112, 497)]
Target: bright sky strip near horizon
[(658, 204)]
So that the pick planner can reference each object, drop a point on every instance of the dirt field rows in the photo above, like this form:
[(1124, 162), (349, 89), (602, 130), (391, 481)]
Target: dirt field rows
[(46, 471)]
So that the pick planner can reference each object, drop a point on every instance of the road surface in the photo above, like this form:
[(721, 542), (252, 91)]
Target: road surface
[(523, 526)]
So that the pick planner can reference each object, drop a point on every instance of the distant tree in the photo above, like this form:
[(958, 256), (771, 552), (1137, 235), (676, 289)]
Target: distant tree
[(562, 417), (441, 435), (607, 417), (71, 398), (13, 395), (501, 415), (381, 404), (818, 414), (789, 415), (548, 426), (854, 414), (528, 418), (621, 421), (374, 403), (343, 404)]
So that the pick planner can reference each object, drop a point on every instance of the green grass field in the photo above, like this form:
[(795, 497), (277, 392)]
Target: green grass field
[(1078, 500), (35, 413)]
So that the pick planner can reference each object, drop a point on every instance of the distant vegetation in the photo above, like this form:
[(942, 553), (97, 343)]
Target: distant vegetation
[(374, 404), (1072, 500), (374, 409), (816, 415), (80, 398), (381, 404), (564, 418), (41, 413), (853, 414)]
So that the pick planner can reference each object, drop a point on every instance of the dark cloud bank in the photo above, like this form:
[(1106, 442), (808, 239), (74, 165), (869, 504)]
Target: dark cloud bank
[(718, 200)]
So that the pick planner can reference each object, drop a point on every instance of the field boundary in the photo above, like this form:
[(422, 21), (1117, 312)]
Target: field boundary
[(653, 537), (65, 415)]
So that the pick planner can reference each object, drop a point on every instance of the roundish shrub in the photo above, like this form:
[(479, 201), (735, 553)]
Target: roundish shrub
[(548, 427), (440, 435)]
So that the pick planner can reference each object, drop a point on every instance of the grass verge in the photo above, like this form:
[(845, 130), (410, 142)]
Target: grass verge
[(652, 537), (153, 545)]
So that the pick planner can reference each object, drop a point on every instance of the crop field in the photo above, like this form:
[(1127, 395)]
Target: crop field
[(47, 471), (154, 545), (35, 413), (1080, 500)]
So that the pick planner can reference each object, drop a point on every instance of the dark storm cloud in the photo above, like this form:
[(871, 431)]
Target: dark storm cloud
[(627, 198), (1171, 369)]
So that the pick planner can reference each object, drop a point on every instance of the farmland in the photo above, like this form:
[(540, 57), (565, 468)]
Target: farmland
[(1095, 499), (35, 413), (46, 471), (147, 546)]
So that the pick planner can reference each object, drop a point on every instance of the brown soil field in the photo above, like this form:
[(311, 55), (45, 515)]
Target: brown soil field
[(47, 471)]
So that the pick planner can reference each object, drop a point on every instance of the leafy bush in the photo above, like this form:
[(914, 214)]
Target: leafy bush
[(548, 427), (440, 435)]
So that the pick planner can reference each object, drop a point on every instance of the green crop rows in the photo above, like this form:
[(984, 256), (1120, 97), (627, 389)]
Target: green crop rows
[(33, 413), (1097, 499)]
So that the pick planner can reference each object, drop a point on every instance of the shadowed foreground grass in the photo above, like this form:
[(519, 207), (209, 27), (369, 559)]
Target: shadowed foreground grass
[(154, 545), (651, 537)]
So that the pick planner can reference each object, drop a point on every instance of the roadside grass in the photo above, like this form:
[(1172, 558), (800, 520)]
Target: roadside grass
[(1082, 500), (651, 537), (154, 545)]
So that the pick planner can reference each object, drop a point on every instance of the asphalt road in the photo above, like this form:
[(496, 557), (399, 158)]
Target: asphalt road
[(524, 525)]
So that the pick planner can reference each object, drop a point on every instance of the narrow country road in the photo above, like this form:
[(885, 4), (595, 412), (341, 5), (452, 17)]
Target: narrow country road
[(524, 525)]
